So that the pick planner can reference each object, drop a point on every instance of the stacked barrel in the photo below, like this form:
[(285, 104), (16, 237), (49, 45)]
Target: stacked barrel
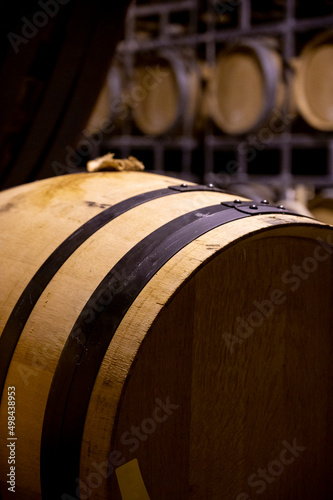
[(171, 91)]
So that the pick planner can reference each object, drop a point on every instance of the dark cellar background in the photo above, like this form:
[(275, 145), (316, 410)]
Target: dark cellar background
[(48, 134)]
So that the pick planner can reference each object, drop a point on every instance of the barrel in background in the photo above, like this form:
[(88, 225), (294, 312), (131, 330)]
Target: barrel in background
[(111, 108), (165, 92), (246, 86), (313, 82)]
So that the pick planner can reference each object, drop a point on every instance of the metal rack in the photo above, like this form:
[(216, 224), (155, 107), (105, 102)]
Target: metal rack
[(300, 154)]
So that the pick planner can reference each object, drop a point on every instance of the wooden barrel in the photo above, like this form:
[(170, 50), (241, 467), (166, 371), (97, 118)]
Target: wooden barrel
[(110, 110), (321, 206), (313, 87), (162, 340), (246, 85), (165, 92)]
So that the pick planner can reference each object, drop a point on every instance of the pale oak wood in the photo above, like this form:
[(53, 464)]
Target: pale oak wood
[(235, 409)]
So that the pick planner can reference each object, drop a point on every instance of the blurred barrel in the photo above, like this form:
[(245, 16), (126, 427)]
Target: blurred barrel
[(111, 109), (245, 87), (162, 332), (313, 82), (165, 92), (321, 206)]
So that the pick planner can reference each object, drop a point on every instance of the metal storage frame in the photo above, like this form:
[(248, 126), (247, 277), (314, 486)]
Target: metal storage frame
[(206, 158)]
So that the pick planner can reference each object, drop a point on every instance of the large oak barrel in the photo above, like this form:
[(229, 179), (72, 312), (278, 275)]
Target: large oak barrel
[(163, 341)]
